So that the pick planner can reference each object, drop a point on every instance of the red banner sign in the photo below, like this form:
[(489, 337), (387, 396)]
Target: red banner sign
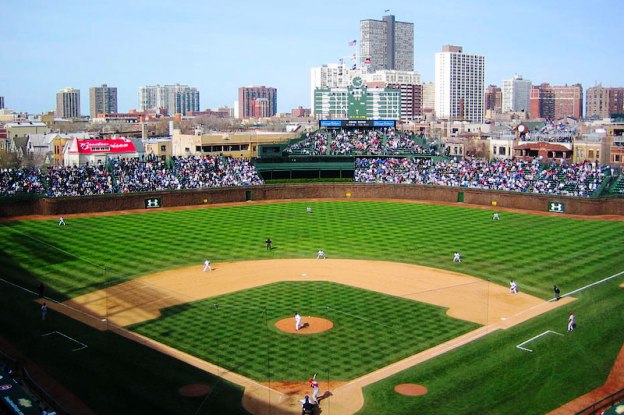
[(102, 146)]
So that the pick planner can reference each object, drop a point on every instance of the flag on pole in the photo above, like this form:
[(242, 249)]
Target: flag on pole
[(352, 42)]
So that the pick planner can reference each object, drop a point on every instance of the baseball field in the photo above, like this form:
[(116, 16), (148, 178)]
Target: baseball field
[(162, 336)]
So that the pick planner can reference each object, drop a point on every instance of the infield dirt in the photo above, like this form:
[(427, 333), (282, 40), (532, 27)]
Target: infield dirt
[(466, 298)]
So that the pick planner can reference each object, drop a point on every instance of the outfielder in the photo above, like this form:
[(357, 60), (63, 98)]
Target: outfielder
[(61, 221), (457, 257)]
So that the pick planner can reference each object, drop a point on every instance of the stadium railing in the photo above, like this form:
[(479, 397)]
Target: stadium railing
[(605, 403)]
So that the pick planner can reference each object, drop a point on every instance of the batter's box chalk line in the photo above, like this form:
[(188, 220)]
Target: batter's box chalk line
[(82, 345), (536, 337)]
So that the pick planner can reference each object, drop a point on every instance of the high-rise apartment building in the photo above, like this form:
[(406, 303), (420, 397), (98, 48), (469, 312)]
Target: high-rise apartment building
[(604, 102), (459, 85), (493, 99), (387, 44), (266, 105), (428, 101), (516, 94), (68, 103), (102, 100), (175, 99), (556, 102)]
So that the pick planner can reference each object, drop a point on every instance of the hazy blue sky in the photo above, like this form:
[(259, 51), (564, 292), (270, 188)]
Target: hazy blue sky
[(220, 46)]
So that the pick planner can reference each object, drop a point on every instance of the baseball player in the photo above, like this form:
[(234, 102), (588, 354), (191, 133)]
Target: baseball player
[(207, 265), (44, 311), (457, 257), (513, 287), (320, 254), (61, 221), (571, 321), (315, 388), (307, 407), (297, 321), (495, 216)]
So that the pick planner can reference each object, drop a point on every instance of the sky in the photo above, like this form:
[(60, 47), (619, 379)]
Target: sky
[(219, 46)]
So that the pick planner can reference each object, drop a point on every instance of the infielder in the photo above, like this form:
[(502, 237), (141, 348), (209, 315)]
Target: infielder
[(513, 287), (207, 265), (320, 254)]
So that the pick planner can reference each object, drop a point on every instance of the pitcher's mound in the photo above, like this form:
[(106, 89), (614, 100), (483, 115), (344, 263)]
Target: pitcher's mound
[(310, 325), (410, 389)]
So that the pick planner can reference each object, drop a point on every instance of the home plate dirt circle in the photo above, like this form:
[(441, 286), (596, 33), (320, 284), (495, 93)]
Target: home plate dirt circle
[(194, 390), (410, 389), (311, 325)]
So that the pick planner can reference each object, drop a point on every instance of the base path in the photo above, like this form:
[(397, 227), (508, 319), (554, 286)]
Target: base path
[(466, 298)]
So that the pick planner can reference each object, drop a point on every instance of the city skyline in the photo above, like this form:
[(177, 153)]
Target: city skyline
[(218, 48)]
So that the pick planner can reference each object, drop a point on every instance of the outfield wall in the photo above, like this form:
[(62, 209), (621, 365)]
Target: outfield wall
[(346, 191)]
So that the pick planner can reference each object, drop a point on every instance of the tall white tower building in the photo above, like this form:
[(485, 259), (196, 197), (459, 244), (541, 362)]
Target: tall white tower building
[(516, 94), (459, 85)]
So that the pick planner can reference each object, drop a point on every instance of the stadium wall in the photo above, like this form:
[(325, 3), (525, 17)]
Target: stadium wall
[(346, 191)]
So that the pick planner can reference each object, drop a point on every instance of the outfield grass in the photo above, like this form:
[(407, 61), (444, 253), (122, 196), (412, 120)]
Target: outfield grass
[(371, 330), (536, 251)]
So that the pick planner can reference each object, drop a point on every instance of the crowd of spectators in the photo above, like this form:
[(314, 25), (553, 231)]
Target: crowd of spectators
[(78, 181), (130, 175), (579, 179), (370, 142), (14, 181), (552, 132)]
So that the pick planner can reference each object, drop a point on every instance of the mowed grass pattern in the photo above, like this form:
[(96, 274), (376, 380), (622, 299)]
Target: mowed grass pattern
[(488, 376), (237, 331), (96, 252)]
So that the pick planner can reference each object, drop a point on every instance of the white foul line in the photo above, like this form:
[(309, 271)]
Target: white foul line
[(84, 346), (533, 338)]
